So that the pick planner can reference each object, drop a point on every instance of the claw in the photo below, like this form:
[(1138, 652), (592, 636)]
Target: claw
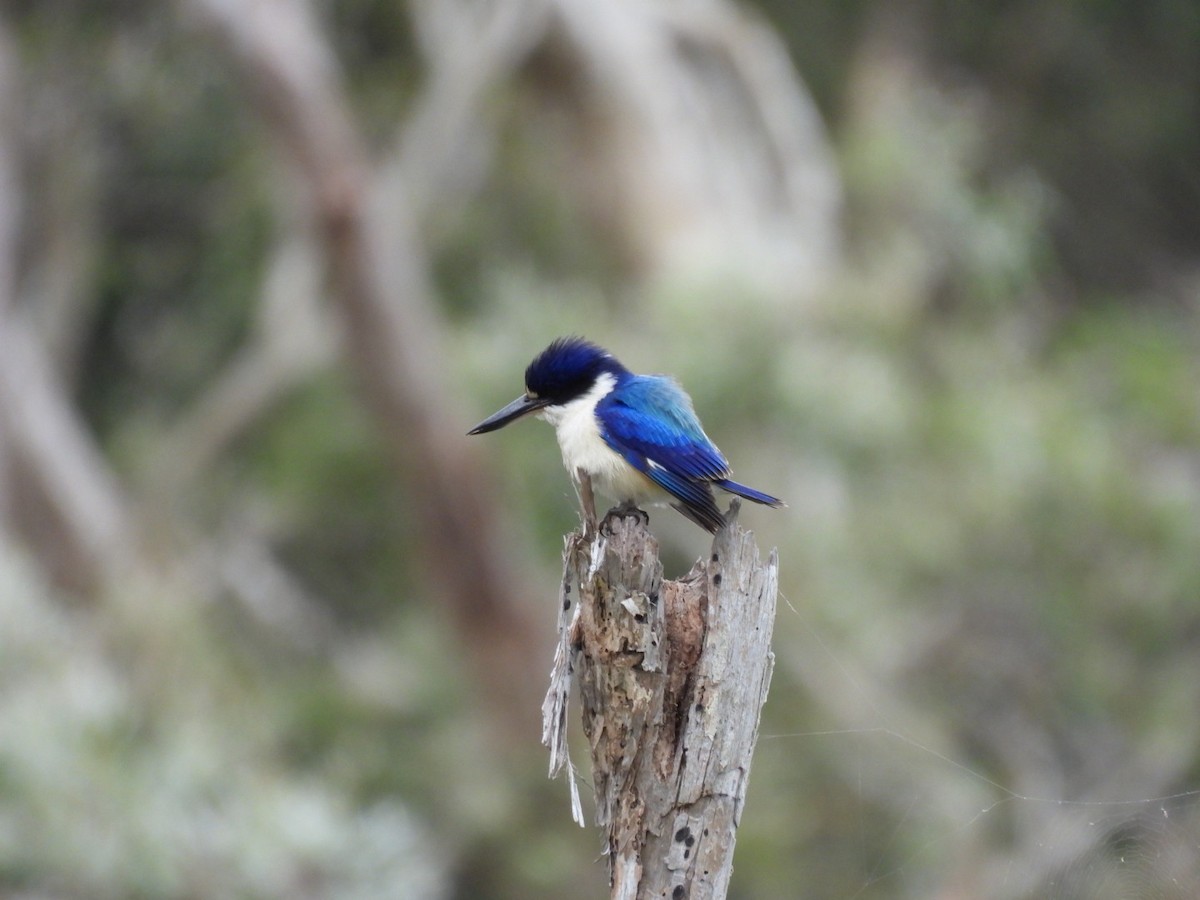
[(626, 510)]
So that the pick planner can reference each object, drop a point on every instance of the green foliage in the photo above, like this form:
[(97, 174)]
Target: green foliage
[(185, 224), (338, 517)]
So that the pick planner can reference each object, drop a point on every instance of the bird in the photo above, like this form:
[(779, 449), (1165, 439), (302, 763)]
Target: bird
[(634, 438)]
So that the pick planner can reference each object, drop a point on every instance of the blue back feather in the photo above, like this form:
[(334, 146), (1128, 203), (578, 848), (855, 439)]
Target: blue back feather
[(649, 419)]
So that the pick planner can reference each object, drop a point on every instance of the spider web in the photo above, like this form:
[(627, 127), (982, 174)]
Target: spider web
[(927, 820), (1090, 850)]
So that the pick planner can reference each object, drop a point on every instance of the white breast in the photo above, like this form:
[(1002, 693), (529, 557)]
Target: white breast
[(584, 449)]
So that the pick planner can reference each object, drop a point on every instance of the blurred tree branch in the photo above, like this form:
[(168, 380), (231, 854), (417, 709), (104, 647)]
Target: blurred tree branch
[(392, 338), (292, 338), (65, 247), (9, 192), (59, 492), (694, 142), (439, 159)]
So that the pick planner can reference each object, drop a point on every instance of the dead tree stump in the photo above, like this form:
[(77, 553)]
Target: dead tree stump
[(672, 676)]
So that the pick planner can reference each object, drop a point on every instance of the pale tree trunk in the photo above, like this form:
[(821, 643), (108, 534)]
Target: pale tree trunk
[(672, 676)]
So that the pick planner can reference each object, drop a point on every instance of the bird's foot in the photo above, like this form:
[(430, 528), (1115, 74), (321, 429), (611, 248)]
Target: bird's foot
[(587, 500), (624, 511)]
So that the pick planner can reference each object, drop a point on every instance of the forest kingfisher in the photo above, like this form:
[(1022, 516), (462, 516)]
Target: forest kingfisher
[(635, 438)]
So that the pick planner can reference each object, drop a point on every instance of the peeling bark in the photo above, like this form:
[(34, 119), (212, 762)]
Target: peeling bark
[(672, 676)]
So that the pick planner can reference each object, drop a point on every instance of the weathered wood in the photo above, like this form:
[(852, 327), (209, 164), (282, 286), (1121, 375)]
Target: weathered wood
[(672, 676)]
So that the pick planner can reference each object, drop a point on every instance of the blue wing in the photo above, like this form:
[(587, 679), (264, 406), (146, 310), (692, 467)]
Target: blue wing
[(649, 420)]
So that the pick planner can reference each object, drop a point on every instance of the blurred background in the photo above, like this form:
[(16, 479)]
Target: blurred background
[(272, 626)]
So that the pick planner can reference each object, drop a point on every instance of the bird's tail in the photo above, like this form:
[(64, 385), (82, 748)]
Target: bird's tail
[(748, 492)]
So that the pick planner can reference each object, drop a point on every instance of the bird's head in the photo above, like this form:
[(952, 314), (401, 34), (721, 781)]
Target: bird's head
[(564, 371)]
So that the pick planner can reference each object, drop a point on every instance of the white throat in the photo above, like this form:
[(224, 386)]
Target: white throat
[(583, 449), (575, 422)]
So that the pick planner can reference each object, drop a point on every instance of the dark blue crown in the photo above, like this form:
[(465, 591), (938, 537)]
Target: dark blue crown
[(568, 368)]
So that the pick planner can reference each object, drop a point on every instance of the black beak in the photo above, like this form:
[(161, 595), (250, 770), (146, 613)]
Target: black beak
[(523, 405)]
